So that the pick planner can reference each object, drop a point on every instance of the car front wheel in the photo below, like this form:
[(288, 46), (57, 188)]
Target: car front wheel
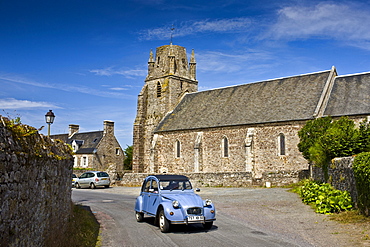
[(164, 224), (139, 216), (92, 186), (77, 185)]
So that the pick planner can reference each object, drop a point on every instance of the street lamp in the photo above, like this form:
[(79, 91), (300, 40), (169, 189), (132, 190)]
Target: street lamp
[(49, 117)]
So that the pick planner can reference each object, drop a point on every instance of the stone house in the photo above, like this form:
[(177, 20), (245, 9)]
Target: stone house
[(98, 150), (249, 128)]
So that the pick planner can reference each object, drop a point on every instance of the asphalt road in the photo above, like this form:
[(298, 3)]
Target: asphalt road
[(245, 217)]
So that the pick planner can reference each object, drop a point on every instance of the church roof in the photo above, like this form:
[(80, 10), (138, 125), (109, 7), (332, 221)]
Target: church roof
[(350, 96), (277, 100)]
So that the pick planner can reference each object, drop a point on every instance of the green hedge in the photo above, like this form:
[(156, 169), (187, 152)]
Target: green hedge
[(361, 170)]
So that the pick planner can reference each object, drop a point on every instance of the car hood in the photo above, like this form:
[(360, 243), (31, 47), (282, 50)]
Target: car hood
[(186, 200)]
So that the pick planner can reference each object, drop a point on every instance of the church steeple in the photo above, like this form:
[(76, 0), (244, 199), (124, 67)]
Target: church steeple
[(170, 76)]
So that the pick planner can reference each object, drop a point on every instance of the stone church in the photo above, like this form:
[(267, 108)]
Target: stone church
[(250, 128)]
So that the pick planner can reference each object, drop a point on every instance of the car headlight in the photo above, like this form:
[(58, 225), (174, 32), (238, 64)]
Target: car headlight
[(208, 202), (175, 204)]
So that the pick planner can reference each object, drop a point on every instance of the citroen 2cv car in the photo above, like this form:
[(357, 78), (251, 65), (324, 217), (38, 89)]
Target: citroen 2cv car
[(171, 200)]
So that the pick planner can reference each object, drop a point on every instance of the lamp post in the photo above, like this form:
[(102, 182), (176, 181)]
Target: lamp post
[(49, 117)]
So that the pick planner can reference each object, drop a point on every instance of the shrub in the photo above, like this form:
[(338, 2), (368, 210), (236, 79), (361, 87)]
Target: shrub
[(324, 197), (361, 170)]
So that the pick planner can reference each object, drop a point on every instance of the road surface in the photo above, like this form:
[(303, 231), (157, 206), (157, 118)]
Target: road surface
[(245, 217)]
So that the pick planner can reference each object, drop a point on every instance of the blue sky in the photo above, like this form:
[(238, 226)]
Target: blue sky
[(87, 60)]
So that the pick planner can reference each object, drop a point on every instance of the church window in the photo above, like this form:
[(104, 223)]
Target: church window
[(281, 141), (158, 60), (225, 147), (159, 90), (178, 149)]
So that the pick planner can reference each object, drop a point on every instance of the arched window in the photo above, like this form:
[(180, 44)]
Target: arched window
[(281, 144), (178, 149), (225, 147), (159, 90)]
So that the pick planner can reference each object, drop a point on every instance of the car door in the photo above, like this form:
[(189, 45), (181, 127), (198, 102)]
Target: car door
[(153, 198), (83, 179), (145, 194)]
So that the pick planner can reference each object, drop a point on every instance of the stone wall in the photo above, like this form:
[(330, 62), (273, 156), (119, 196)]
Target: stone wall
[(340, 175), (225, 179), (35, 187), (254, 149)]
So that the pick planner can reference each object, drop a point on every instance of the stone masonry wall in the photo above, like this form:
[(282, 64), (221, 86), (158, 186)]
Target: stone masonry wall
[(35, 187), (202, 151), (225, 179), (340, 175)]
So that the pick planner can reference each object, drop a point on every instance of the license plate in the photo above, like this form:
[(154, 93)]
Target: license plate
[(195, 218), (104, 179)]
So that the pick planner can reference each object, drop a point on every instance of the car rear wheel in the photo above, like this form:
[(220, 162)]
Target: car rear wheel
[(164, 224), (208, 225), (92, 186), (139, 216), (106, 186)]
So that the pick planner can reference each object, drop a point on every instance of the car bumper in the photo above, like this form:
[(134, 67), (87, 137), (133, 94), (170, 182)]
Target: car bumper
[(191, 222)]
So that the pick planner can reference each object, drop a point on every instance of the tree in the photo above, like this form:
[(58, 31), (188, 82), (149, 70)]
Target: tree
[(127, 163), (310, 133), (322, 139)]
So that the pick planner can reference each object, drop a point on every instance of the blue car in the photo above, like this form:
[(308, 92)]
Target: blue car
[(171, 200)]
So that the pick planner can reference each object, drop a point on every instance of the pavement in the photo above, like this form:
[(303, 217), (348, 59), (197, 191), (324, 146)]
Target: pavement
[(275, 211)]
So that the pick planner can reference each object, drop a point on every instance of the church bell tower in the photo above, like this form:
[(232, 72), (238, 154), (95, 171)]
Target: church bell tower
[(170, 76)]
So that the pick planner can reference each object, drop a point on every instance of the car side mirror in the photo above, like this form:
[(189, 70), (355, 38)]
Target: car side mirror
[(197, 190)]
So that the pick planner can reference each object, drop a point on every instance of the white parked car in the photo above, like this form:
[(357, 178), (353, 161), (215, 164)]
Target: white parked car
[(92, 180)]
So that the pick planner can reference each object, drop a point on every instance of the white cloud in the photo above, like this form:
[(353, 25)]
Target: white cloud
[(111, 71), (222, 62), (63, 87), (11, 103), (193, 27), (344, 22)]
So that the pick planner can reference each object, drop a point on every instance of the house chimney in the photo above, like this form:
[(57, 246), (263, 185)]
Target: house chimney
[(108, 127), (73, 128)]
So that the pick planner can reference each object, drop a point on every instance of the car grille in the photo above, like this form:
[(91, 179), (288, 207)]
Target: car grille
[(196, 211)]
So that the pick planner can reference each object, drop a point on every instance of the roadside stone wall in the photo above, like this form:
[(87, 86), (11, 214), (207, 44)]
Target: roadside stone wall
[(224, 179), (340, 175), (35, 187)]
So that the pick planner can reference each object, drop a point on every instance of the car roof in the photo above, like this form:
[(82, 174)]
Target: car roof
[(171, 177)]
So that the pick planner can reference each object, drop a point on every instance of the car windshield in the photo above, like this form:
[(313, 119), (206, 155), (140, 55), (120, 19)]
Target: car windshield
[(175, 185)]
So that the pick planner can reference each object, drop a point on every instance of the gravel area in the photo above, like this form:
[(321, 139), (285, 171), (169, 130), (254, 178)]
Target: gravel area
[(274, 211)]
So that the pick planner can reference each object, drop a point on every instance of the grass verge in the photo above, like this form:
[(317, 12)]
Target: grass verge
[(83, 228)]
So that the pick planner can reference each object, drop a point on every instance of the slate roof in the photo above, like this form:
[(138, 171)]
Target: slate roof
[(350, 96), (261, 102), (89, 144)]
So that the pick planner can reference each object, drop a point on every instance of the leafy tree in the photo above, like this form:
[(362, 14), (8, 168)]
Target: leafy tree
[(127, 163), (364, 136), (322, 139), (310, 133)]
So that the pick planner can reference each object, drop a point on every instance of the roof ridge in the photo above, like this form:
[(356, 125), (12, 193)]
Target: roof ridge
[(274, 79), (355, 74)]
